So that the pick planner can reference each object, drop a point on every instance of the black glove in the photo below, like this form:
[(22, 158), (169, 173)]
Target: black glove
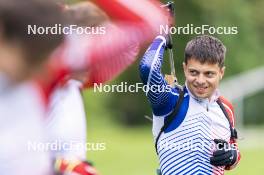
[(225, 155)]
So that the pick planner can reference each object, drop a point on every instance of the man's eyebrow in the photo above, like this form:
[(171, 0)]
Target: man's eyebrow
[(190, 68), (210, 71), (197, 70)]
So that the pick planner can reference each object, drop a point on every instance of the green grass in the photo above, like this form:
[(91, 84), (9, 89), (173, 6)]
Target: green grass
[(251, 163), (131, 150)]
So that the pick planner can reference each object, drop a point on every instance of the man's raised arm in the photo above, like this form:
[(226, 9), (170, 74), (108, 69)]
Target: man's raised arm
[(135, 23), (161, 96)]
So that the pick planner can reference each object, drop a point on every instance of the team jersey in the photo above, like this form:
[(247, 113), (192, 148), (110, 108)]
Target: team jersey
[(186, 146), (22, 131)]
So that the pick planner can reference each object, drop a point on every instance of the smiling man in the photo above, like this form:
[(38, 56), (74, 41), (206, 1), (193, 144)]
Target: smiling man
[(194, 126)]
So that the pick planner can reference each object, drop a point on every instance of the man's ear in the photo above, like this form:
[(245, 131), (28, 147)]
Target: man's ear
[(222, 72), (184, 67)]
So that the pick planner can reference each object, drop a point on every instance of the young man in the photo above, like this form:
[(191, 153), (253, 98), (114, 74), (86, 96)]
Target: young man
[(21, 56), (22, 107), (195, 141), (104, 57), (66, 105)]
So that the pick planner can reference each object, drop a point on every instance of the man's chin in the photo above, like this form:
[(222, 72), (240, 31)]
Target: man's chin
[(201, 96)]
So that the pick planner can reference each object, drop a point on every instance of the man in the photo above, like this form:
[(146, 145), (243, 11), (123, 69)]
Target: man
[(195, 140), (22, 107), (104, 57), (21, 56), (66, 105)]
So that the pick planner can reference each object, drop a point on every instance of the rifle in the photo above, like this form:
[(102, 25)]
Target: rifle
[(169, 44)]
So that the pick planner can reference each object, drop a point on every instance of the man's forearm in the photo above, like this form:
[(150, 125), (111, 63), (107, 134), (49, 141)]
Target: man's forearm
[(159, 93)]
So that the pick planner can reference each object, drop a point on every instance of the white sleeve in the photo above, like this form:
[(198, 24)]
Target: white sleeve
[(66, 122)]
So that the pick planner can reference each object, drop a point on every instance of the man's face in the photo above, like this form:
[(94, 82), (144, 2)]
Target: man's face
[(202, 79), (12, 61)]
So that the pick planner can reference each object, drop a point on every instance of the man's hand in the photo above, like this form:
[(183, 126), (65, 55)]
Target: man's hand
[(225, 155), (170, 79), (63, 166)]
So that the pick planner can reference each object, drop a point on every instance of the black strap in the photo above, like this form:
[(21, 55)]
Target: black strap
[(171, 117), (232, 129)]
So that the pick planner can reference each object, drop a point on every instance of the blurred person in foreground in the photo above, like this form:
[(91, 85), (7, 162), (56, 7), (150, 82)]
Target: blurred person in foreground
[(133, 25), (21, 56), (93, 59), (66, 119), (193, 126)]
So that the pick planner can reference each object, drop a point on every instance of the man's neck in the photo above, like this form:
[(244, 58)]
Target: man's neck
[(211, 99), (4, 82)]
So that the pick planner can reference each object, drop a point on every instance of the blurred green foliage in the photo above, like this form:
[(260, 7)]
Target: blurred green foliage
[(254, 109)]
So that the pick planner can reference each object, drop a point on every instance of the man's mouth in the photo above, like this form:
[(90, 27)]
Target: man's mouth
[(200, 89)]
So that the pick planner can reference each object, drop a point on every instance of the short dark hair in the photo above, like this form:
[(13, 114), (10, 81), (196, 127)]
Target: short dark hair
[(16, 15), (85, 14), (206, 49)]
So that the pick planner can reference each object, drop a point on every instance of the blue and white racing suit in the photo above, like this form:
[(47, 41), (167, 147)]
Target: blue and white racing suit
[(186, 146)]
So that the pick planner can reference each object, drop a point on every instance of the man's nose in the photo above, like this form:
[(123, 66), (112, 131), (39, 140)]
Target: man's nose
[(201, 80)]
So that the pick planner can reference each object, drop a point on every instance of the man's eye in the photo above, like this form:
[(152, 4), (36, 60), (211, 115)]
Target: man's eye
[(210, 74), (193, 72)]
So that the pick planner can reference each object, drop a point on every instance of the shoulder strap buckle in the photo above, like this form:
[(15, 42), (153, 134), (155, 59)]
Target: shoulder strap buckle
[(234, 133)]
